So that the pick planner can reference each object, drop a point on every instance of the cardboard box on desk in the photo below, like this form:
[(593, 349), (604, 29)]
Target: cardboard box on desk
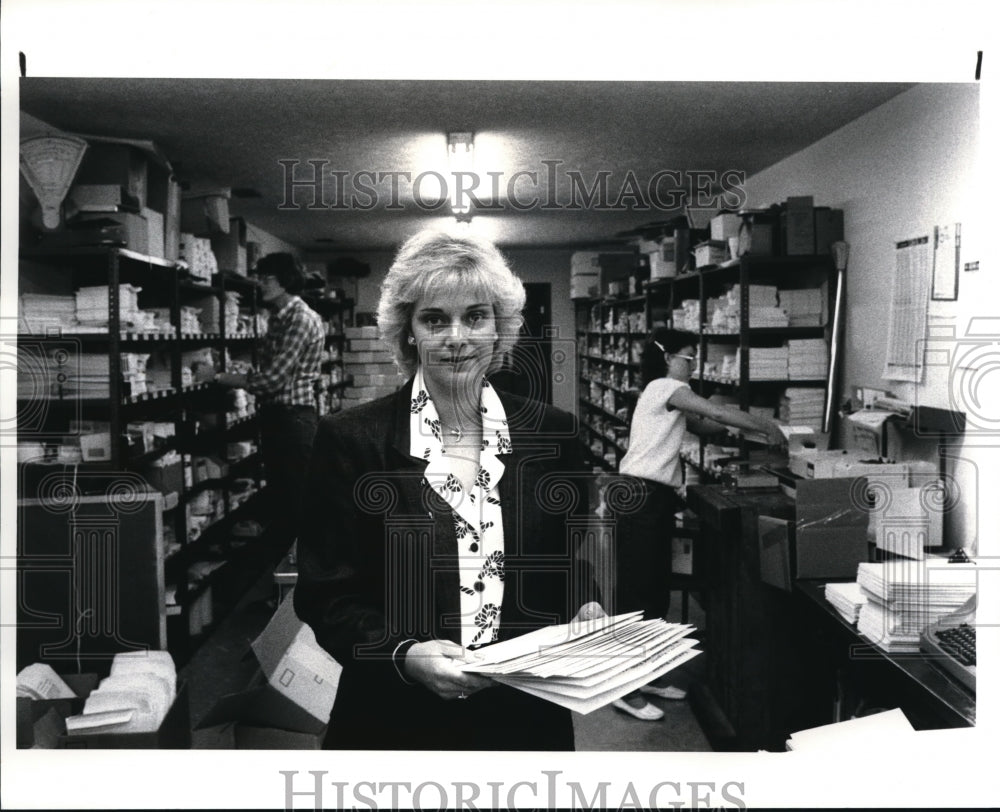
[(828, 539), (288, 702)]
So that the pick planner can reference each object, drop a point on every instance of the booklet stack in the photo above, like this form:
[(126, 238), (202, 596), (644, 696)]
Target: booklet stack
[(585, 665)]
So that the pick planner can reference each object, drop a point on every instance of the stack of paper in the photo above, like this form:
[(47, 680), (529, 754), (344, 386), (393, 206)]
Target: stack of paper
[(231, 312), (767, 317), (720, 361), (585, 665), (905, 596), (92, 305), (42, 313), (878, 730), (802, 406), (847, 599), (808, 358), (190, 320), (804, 307), (197, 253), (133, 699), (769, 363), (40, 681)]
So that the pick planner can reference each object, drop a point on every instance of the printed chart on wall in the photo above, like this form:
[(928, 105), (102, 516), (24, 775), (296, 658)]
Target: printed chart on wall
[(904, 358)]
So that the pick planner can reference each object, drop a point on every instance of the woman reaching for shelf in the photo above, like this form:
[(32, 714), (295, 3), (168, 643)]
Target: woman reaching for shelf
[(666, 409)]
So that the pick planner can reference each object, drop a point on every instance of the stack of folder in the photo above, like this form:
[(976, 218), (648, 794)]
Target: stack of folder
[(847, 599), (585, 665), (905, 596), (43, 312), (804, 307)]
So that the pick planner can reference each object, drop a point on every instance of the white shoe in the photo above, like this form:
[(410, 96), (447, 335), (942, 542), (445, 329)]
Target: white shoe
[(648, 712), (668, 692)]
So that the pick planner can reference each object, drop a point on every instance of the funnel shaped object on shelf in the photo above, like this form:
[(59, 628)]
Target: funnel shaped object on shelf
[(49, 164)]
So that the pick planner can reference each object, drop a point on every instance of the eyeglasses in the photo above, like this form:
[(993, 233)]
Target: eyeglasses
[(690, 358)]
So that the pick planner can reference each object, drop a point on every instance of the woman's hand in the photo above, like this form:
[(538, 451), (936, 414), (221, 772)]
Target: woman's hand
[(589, 611), (436, 664)]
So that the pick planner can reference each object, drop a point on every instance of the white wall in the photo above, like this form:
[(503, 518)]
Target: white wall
[(898, 171)]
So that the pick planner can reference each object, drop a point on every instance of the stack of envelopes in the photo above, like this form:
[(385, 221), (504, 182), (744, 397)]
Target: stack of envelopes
[(584, 665)]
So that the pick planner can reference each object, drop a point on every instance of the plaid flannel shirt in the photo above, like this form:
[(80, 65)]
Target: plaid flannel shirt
[(290, 357)]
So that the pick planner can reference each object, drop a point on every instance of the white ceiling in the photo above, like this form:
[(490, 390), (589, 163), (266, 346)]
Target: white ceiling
[(234, 133)]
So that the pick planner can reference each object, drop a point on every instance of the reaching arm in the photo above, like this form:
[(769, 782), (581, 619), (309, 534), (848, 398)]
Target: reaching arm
[(690, 403)]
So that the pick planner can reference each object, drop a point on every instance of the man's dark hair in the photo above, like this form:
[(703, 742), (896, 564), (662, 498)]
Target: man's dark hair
[(285, 268)]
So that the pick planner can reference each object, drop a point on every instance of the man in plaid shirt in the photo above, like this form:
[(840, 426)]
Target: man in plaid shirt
[(285, 387)]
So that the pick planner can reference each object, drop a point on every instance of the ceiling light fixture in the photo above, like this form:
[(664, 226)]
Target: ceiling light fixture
[(461, 154)]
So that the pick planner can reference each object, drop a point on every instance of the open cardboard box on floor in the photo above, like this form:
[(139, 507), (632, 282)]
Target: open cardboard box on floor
[(42, 722), (287, 704)]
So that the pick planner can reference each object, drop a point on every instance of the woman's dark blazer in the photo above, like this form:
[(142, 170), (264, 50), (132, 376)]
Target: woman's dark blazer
[(378, 565)]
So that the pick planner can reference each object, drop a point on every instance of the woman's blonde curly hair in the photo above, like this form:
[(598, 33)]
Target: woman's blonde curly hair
[(431, 262)]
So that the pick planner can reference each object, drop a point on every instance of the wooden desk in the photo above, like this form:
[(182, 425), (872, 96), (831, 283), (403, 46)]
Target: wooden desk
[(929, 696)]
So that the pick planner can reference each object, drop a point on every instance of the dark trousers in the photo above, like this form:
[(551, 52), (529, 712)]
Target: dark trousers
[(643, 536), (287, 434)]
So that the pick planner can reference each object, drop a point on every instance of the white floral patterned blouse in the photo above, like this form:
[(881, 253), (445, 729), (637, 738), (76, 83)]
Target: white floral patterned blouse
[(477, 517)]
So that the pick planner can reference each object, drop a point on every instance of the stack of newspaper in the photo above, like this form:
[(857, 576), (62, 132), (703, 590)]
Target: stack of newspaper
[(584, 665)]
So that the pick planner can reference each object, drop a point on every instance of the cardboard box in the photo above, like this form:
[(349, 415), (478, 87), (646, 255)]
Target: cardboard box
[(585, 263), (799, 228), (230, 249), (663, 261), (829, 227), (167, 479), (174, 732), (724, 225), (115, 164), (96, 197), (106, 228), (30, 712), (583, 286), (774, 540), (205, 213), (757, 232), (828, 538), (813, 463), (95, 447), (165, 198), (154, 232), (831, 528), (293, 691), (710, 253)]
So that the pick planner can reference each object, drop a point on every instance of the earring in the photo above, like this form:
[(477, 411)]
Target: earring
[(411, 340)]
